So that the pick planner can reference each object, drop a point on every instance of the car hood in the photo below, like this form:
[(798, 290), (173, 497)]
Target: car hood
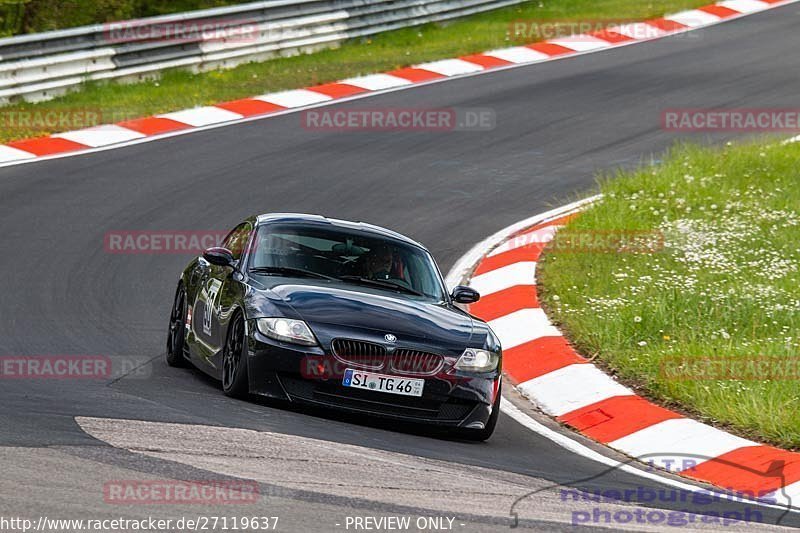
[(342, 310)]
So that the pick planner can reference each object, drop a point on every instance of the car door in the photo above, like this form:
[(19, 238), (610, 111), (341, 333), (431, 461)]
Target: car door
[(219, 289)]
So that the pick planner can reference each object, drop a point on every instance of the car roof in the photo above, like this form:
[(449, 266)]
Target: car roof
[(271, 218)]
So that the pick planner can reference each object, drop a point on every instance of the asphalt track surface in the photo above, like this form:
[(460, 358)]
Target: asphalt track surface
[(557, 124)]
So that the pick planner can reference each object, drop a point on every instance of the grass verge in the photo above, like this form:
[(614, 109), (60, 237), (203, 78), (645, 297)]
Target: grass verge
[(701, 306), (110, 102)]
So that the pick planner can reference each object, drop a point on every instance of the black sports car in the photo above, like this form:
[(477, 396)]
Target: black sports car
[(341, 314)]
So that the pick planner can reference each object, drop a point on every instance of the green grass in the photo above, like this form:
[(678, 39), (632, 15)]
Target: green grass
[(175, 90), (725, 284)]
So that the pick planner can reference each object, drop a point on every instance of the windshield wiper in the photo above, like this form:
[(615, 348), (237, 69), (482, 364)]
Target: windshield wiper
[(381, 283), (290, 271)]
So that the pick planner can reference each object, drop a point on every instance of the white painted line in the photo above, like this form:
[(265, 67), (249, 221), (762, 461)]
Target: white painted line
[(450, 67), (789, 495), (202, 116), (517, 54), (639, 31), (693, 18), (376, 82), (581, 43), (522, 273), (572, 387), (579, 449), (677, 440), (295, 98), (8, 153), (744, 6), (523, 326), (458, 273), (539, 236), (101, 135)]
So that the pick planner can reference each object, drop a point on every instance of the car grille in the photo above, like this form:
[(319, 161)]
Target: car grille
[(416, 362), (359, 353)]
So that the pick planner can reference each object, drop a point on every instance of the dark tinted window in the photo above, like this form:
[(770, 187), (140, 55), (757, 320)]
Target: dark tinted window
[(236, 241), (342, 253)]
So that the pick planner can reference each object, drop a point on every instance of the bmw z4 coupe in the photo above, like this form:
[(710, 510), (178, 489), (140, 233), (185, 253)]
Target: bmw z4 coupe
[(339, 314)]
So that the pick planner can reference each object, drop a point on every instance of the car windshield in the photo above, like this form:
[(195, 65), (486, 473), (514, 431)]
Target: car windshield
[(361, 258)]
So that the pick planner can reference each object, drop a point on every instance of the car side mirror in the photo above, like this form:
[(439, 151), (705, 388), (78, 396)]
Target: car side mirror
[(465, 295), (219, 256)]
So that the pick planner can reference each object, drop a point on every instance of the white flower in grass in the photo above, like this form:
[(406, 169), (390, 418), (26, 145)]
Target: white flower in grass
[(556, 298), (637, 319), (642, 343)]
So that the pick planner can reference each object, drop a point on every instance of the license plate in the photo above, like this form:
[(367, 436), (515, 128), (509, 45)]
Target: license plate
[(382, 383)]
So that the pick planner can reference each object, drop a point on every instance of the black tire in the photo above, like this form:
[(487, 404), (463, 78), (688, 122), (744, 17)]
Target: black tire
[(479, 435), (234, 360), (176, 337)]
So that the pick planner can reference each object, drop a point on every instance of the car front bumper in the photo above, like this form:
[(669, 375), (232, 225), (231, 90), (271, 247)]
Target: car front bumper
[(312, 376)]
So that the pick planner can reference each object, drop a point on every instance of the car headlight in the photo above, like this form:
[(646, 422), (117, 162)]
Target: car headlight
[(477, 360), (287, 330)]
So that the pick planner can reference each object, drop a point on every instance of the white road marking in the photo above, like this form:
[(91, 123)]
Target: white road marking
[(202, 116), (522, 273), (678, 439), (377, 82), (100, 135), (295, 98), (523, 326), (8, 153), (744, 6), (450, 67), (693, 18), (575, 386), (539, 236), (581, 43), (517, 54)]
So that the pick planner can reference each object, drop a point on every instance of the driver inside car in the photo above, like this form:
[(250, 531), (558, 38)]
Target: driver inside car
[(377, 263)]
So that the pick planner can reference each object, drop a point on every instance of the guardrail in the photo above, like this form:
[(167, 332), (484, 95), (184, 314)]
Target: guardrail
[(43, 65)]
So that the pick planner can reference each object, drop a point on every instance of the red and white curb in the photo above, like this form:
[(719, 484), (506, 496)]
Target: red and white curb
[(544, 367), (181, 122)]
